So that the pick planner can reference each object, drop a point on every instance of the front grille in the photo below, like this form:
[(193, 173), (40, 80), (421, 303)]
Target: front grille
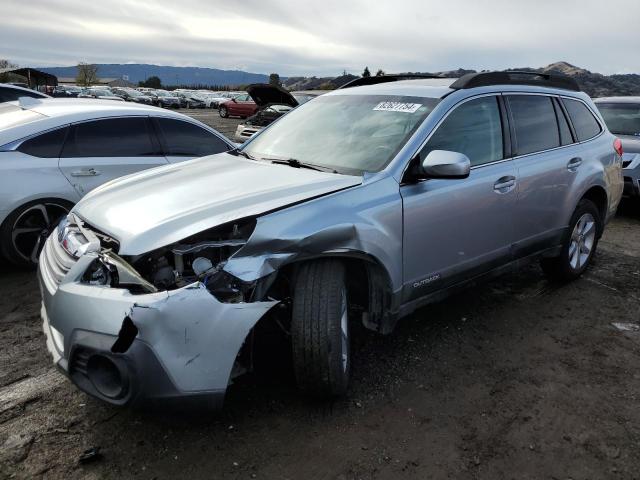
[(55, 262)]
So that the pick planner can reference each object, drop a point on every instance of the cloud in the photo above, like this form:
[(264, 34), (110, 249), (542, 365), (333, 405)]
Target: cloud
[(324, 38)]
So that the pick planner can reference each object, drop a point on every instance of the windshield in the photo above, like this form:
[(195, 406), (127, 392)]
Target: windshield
[(101, 93), (621, 118), (347, 133)]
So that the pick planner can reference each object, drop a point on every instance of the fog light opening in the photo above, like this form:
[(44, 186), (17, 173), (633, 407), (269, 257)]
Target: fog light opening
[(106, 377)]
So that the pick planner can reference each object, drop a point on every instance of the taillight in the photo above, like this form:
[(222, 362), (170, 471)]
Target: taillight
[(617, 146)]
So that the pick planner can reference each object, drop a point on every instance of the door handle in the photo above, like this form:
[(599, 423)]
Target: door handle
[(574, 163), (91, 172), (504, 184)]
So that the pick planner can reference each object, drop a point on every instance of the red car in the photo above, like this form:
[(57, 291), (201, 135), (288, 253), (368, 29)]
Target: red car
[(241, 106)]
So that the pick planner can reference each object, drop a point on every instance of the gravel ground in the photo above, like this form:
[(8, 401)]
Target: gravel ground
[(226, 126), (517, 378)]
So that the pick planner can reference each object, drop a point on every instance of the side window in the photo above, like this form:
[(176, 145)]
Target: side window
[(47, 145), (584, 123), (563, 125), (534, 122), (474, 128), (113, 137), (186, 139), (13, 94)]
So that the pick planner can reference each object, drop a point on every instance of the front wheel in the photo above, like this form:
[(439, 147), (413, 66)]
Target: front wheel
[(223, 112), (320, 329), (579, 244)]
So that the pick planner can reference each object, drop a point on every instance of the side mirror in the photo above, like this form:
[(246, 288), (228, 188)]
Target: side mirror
[(234, 100), (446, 164)]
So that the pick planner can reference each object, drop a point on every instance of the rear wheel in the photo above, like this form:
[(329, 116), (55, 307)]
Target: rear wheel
[(25, 230), (222, 111), (320, 329), (579, 245)]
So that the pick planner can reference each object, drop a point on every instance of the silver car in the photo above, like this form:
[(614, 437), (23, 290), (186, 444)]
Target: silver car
[(54, 151), (361, 205), (622, 115)]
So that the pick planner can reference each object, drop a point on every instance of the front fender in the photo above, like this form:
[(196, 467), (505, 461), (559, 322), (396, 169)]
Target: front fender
[(364, 220)]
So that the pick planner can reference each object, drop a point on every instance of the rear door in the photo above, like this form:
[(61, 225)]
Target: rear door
[(456, 229), (547, 162), (97, 151), (182, 140)]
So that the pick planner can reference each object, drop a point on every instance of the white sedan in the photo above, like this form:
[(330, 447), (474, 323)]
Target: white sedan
[(54, 151)]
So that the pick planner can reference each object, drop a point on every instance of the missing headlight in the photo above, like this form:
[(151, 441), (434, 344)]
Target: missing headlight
[(101, 273), (200, 257)]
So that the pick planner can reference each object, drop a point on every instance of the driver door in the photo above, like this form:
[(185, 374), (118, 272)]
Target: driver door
[(456, 229)]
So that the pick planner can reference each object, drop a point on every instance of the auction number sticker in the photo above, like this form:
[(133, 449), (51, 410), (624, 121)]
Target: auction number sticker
[(397, 107)]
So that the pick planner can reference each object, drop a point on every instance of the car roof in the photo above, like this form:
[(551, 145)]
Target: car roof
[(424, 87), (617, 100), (54, 112), (441, 87)]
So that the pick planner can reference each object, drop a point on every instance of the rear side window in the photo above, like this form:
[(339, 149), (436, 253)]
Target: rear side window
[(474, 128), (12, 94), (113, 137), (584, 123), (186, 139), (47, 145), (563, 125), (534, 122)]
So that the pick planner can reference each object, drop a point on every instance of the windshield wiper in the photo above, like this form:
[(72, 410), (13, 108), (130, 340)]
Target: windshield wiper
[(237, 151), (294, 162)]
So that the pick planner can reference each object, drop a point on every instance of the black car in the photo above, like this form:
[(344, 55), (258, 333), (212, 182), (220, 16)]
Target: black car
[(190, 100), (131, 95)]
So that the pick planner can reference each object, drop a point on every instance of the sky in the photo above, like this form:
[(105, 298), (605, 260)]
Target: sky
[(326, 37)]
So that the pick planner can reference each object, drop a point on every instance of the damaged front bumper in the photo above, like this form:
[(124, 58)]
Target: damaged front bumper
[(172, 346)]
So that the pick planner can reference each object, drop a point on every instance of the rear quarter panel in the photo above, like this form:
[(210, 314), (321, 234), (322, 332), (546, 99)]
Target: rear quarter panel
[(601, 167)]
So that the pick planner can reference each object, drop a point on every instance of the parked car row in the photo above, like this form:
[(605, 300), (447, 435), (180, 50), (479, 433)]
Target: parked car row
[(360, 205)]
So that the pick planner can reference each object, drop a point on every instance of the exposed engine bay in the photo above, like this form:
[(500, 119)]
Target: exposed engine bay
[(199, 258)]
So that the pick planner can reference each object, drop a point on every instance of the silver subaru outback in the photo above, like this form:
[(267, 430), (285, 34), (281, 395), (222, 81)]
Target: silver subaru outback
[(359, 206)]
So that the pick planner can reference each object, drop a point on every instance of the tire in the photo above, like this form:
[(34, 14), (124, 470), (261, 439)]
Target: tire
[(320, 329), (223, 112), (37, 219), (579, 245)]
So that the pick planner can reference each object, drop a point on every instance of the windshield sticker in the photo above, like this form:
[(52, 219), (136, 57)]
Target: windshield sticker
[(397, 107)]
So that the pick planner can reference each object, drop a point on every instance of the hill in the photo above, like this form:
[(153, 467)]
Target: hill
[(595, 84), (168, 75)]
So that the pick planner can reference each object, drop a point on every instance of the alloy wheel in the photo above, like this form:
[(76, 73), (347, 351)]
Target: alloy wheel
[(33, 226), (582, 241)]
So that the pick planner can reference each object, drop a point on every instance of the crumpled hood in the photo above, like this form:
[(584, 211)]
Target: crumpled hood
[(265, 94), (157, 207)]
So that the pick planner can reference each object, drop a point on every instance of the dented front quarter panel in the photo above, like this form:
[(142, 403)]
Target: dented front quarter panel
[(194, 337), (365, 220)]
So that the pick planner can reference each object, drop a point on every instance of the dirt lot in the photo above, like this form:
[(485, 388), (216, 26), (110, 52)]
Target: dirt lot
[(513, 379)]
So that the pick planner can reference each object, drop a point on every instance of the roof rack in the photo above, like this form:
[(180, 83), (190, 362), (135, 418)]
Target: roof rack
[(362, 81), (484, 79)]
